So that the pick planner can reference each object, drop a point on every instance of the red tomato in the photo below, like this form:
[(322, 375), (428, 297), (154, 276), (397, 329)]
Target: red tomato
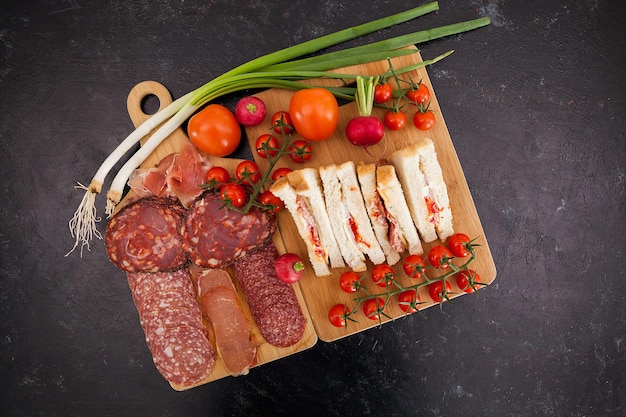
[(435, 290), (408, 301), (280, 172), (247, 172), (465, 279), (394, 120), (281, 123), (382, 275), (419, 95), (414, 266), (217, 175), (314, 112), (457, 243), (424, 119), (266, 145), (275, 204), (349, 281), (438, 256), (300, 151), (215, 130), (233, 193), (382, 93), (337, 315), (373, 308)]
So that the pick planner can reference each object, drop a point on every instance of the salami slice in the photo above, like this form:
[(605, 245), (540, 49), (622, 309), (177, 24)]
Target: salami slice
[(145, 284), (273, 304), (145, 236), (214, 236)]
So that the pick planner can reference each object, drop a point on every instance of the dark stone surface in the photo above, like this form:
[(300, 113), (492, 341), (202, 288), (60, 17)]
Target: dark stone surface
[(535, 105)]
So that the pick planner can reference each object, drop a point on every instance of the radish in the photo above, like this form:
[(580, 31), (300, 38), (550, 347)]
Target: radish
[(365, 129), (289, 268), (250, 111)]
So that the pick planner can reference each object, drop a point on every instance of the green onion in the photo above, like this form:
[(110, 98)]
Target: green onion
[(279, 69)]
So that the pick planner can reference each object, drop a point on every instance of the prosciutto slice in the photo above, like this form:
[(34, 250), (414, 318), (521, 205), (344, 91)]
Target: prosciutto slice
[(232, 329), (179, 175)]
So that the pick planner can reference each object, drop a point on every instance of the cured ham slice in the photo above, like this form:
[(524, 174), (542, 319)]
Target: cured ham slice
[(178, 175), (231, 328)]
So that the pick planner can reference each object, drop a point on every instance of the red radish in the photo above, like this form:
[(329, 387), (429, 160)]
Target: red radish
[(250, 111), (365, 129), (289, 267)]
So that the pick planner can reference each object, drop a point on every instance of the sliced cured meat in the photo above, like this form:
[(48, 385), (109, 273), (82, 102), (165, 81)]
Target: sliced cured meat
[(178, 175), (144, 236), (172, 324), (231, 328), (214, 236), (273, 303)]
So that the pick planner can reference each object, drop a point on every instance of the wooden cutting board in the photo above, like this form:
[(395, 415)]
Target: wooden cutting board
[(318, 294), (321, 293)]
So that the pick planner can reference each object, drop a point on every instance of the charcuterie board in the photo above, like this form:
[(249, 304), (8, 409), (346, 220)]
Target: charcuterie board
[(317, 294)]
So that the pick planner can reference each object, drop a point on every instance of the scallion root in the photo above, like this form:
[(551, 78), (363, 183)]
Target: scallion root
[(83, 223)]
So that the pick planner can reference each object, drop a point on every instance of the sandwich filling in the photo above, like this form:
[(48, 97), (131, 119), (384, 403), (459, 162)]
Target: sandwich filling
[(314, 237), (382, 216)]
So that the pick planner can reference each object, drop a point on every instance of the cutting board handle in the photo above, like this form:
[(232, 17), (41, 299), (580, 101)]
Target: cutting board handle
[(139, 93)]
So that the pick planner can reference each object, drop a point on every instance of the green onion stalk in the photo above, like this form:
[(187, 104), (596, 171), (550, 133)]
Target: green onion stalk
[(281, 69)]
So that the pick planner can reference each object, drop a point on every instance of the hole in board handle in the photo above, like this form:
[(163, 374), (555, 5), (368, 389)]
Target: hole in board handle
[(150, 104)]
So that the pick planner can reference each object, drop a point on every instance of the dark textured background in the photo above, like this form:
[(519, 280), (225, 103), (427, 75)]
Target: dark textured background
[(535, 105)]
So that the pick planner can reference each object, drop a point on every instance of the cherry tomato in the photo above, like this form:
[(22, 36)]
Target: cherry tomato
[(457, 243), (465, 279), (300, 151), (233, 193), (435, 290), (215, 130), (349, 281), (217, 175), (394, 120), (419, 95), (382, 275), (373, 308), (424, 119), (413, 266), (266, 145), (281, 123), (314, 112), (268, 198), (337, 315), (438, 256), (247, 172), (408, 301), (382, 93), (280, 172)]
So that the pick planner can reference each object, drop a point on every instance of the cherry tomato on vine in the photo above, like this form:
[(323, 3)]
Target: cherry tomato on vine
[(457, 243), (247, 172), (281, 123), (465, 278), (215, 130), (314, 112), (217, 175), (424, 119), (408, 301), (280, 172), (382, 275), (268, 198), (235, 193), (413, 265), (300, 151), (348, 281), (438, 256), (419, 95), (394, 120), (373, 308), (382, 93), (435, 290), (266, 145), (337, 315)]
